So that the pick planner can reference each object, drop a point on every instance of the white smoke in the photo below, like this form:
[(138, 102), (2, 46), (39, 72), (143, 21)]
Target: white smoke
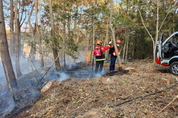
[(63, 76), (2, 75), (6, 102)]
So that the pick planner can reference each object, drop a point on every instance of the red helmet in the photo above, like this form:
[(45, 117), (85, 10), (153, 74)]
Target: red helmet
[(99, 42), (118, 41)]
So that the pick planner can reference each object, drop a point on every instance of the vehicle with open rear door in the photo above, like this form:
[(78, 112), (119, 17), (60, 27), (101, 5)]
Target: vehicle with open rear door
[(167, 52)]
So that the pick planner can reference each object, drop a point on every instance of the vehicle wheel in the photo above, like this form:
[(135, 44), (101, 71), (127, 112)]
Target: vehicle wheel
[(174, 68)]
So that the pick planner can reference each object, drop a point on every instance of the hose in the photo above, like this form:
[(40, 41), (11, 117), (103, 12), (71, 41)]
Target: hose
[(136, 98), (144, 96)]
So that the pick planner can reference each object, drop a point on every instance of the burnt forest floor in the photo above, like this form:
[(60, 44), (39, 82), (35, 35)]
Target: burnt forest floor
[(142, 93)]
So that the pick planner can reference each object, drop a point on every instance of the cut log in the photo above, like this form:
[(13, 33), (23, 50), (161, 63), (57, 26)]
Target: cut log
[(130, 69), (47, 86)]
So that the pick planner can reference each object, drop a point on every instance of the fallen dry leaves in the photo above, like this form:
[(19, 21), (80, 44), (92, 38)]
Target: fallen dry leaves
[(94, 98)]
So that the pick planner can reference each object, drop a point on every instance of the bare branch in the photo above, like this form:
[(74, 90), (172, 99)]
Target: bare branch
[(145, 25), (168, 104)]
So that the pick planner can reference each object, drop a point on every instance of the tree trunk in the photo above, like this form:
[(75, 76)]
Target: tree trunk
[(127, 47), (6, 61), (107, 40), (17, 41), (54, 47), (64, 45), (41, 50), (157, 31), (12, 39), (124, 52), (93, 42), (41, 47), (32, 50), (113, 34)]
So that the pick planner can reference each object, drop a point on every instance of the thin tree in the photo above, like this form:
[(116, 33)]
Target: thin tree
[(33, 32), (17, 40), (54, 46), (113, 33), (20, 10), (39, 33), (93, 34), (158, 22), (12, 39), (5, 57)]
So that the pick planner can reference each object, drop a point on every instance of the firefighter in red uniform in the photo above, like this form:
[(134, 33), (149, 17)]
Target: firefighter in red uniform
[(99, 56), (113, 54)]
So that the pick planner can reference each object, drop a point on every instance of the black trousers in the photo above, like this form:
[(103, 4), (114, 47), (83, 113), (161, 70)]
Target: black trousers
[(99, 66), (112, 62)]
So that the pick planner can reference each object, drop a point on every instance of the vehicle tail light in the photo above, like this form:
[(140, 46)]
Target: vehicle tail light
[(158, 60), (165, 64)]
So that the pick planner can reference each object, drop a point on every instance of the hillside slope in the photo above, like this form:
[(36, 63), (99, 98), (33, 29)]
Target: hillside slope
[(100, 97)]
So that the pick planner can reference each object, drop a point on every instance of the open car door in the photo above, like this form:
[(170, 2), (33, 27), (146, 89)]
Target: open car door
[(159, 49)]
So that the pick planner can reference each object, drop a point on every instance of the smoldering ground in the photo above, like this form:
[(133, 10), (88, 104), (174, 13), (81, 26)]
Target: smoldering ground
[(34, 78)]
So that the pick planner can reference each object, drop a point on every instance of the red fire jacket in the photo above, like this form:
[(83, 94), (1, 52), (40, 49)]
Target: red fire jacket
[(103, 49)]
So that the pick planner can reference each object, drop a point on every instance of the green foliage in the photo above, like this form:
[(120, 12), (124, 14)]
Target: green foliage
[(125, 20), (72, 48), (47, 40), (33, 44)]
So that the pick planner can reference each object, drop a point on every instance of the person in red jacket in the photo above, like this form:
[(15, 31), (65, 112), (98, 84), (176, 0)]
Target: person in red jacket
[(113, 54), (99, 56)]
